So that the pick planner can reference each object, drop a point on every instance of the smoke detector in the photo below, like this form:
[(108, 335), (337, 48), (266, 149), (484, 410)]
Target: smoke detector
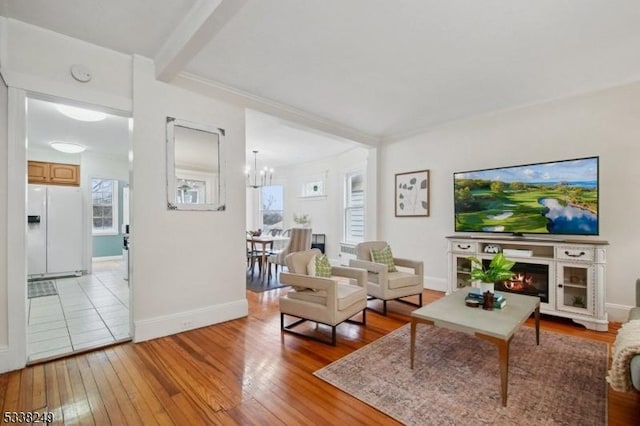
[(81, 73)]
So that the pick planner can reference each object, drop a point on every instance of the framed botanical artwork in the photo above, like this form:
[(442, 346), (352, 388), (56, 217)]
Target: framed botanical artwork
[(314, 186), (412, 194)]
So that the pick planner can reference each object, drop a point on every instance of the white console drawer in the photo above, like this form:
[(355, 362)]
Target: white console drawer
[(464, 247), (585, 254)]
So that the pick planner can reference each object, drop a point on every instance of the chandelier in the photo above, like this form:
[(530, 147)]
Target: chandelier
[(258, 178)]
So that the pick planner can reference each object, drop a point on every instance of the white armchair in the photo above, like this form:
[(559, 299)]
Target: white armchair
[(385, 285), (299, 240), (329, 301)]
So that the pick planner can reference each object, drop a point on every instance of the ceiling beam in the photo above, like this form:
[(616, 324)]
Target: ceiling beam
[(243, 99), (203, 21)]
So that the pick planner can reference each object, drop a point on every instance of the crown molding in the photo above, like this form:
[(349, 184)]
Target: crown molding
[(244, 99)]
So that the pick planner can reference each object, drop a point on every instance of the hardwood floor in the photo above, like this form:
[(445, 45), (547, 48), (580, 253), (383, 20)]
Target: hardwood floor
[(238, 372)]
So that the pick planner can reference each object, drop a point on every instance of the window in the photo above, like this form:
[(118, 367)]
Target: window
[(272, 207), (190, 191), (354, 208), (104, 193)]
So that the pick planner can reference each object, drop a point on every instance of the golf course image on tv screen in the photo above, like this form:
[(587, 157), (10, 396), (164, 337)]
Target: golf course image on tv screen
[(559, 197)]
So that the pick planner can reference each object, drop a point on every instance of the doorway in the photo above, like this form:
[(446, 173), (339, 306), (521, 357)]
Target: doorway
[(77, 228)]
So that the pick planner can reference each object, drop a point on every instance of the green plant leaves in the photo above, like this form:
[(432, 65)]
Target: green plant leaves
[(498, 270)]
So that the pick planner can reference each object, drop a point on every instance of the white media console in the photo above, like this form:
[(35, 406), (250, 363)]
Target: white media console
[(568, 275)]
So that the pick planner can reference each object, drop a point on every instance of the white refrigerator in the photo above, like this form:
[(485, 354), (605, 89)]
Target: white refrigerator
[(54, 235)]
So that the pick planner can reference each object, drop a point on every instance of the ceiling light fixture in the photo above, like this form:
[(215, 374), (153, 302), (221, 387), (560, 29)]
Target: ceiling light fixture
[(258, 179), (68, 147), (81, 114)]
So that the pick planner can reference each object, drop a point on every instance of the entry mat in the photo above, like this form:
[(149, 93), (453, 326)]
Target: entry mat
[(41, 288)]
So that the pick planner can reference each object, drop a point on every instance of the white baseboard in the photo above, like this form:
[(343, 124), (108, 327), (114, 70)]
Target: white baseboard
[(153, 328), (5, 362), (8, 362), (435, 283), (618, 313), (106, 258)]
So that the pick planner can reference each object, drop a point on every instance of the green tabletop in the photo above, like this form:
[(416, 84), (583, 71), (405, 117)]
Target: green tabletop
[(451, 312)]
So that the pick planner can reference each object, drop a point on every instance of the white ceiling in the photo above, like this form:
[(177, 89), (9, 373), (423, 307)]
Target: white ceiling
[(45, 124), (129, 26), (383, 68), (280, 143)]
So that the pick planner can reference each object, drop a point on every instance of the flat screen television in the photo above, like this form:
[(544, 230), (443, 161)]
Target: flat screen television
[(556, 197)]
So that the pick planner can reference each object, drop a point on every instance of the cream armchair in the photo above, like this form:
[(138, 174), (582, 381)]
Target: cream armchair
[(329, 301), (299, 240), (385, 285)]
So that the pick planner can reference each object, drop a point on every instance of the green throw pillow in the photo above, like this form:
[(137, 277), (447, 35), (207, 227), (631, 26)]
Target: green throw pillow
[(323, 267), (384, 256)]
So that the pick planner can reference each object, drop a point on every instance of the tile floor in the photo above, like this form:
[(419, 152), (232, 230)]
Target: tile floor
[(88, 311)]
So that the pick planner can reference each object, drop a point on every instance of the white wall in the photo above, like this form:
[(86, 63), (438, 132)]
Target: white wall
[(325, 212), (39, 60), (603, 123), (52, 156), (4, 95), (188, 265), (96, 166), (34, 60), (317, 208)]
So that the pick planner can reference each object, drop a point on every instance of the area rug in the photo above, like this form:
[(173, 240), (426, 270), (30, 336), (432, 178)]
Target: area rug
[(41, 288), (258, 285), (456, 381), (257, 288)]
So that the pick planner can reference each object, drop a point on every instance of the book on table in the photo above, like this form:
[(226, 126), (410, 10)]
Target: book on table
[(499, 301), (477, 295), (496, 305)]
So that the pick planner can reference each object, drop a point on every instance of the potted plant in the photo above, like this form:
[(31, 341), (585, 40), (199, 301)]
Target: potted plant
[(302, 219), (498, 270), (578, 301)]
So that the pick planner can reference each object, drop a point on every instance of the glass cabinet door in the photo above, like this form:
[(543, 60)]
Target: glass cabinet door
[(574, 288), (462, 271)]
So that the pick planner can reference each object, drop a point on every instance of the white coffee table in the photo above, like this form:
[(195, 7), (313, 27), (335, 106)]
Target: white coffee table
[(497, 326)]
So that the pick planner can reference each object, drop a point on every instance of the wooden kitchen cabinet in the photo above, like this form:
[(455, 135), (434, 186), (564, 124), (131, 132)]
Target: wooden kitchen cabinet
[(38, 172), (54, 173)]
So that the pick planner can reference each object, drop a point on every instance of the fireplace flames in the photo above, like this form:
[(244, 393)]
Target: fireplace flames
[(519, 282), (529, 279)]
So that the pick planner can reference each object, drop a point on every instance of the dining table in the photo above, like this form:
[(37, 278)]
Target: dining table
[(268, 244)]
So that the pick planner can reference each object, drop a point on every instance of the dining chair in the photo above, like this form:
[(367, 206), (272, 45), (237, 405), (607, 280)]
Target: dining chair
[(299, 240), (275, 232), (253, 256)]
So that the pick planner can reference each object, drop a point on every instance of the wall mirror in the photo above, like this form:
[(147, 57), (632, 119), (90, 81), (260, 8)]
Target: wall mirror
[(194, 166)]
